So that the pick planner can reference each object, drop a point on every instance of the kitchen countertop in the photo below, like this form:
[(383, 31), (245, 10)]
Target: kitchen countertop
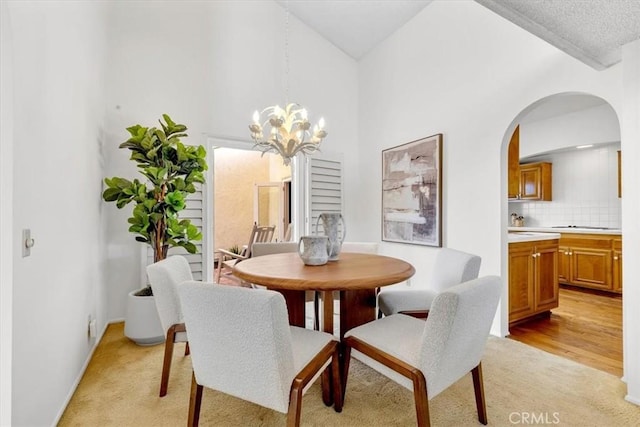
[(530, 236), (566, 230)]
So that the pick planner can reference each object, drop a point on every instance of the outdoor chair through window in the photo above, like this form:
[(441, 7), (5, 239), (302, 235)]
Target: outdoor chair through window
[(259, 234)]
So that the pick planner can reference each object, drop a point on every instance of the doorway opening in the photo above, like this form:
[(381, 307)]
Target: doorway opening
[(249, 188), (566, 299)]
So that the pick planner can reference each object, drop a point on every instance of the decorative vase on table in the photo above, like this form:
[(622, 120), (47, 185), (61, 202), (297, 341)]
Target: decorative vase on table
[(335, 233)]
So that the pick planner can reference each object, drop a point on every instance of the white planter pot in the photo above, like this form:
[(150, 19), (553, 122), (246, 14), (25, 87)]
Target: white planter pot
[(142, 324)]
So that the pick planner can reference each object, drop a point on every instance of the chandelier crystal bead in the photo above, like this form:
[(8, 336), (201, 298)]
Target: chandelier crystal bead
[(289, 132)]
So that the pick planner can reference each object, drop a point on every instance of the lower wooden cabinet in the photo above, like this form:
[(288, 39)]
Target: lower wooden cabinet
[(590, 261), (533, 278), (617, 265)]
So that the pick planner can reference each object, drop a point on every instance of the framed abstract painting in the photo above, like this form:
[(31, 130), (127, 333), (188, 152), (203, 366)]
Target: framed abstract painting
[(412, 192)]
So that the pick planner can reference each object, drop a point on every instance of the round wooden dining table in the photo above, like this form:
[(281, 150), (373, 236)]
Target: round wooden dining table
[(354, 275)]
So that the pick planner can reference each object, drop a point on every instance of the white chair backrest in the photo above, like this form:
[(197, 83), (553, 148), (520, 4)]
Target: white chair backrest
[(164, 277), (362, 247), (240, 341), (260, 249), (453, 267), (456, 331)]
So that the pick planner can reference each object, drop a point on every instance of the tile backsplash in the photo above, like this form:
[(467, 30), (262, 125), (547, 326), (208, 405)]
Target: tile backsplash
[(584, 187)]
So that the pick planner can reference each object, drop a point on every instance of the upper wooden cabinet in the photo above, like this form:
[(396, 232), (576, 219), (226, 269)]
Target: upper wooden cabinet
[(535, 181), (530, 181), (513, 164)]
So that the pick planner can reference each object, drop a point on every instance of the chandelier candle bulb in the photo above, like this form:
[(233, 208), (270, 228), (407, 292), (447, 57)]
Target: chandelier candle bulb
[(289, 133)]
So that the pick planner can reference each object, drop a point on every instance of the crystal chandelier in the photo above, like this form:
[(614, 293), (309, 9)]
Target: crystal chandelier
[(289, 132), (289, 128)]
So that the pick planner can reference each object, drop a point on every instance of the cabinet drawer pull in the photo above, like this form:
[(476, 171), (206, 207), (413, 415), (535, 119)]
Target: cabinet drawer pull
[(615, 258)]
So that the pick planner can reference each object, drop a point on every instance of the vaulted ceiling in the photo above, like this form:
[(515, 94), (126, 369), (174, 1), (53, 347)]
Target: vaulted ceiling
[(592, 31)]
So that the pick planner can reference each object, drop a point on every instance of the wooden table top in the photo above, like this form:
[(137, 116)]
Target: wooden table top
[(352, 271)]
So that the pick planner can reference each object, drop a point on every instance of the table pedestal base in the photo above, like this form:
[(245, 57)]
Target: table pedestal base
[(356, 308)]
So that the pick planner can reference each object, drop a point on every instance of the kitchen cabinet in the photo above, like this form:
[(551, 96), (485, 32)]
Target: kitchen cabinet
[(617, 265), (533, 278), (591, 260), (564, 265), (513, 165), (535, 181), (619, 174), (529, 181)]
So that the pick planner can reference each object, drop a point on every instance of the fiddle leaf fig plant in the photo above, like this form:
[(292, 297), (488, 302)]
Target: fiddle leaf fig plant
[(171, 170)]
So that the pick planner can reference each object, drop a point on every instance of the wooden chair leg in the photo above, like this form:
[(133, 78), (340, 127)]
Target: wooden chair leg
[(337, 380), (421, 399), (326, 379), (345, 370), (219, 269), (316, 310), (295, 403), (166, 364), (478, 388), (195, 402), (420, 395)]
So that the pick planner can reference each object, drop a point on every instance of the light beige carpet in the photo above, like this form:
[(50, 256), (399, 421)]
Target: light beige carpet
[(523, 386)]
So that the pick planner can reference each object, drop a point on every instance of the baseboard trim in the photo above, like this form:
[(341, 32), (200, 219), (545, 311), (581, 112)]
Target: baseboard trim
[(83, 369), (632, 399)]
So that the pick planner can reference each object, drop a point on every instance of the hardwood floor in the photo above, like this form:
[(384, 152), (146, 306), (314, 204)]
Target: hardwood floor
[(586, 328)]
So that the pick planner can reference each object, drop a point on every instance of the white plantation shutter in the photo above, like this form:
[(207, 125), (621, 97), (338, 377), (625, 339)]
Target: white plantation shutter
[(195, 213), (324, 188)]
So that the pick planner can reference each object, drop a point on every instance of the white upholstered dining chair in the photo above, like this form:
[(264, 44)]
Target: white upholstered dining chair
[(260, 249), (361, 247), (164, 277), (242, 345), (451, 267), (428, 357)]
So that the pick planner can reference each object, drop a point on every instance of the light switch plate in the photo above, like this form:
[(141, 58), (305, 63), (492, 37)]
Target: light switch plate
[(27, 242)]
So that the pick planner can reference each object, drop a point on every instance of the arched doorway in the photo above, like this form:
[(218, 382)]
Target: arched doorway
[(579, 136)]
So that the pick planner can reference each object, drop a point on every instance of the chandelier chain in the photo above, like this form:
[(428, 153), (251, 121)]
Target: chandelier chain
[(286, 54), (289, 131)]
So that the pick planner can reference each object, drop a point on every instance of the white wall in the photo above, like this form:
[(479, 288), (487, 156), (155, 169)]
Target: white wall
[(251, 74), (631, 217), (6, 213), (159, 61), (58, 69), (459, 69), (210, 65), (595, 125), (468, 79), (584, 188)]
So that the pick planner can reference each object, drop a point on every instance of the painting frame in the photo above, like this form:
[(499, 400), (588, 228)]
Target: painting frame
[(412, 192)]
